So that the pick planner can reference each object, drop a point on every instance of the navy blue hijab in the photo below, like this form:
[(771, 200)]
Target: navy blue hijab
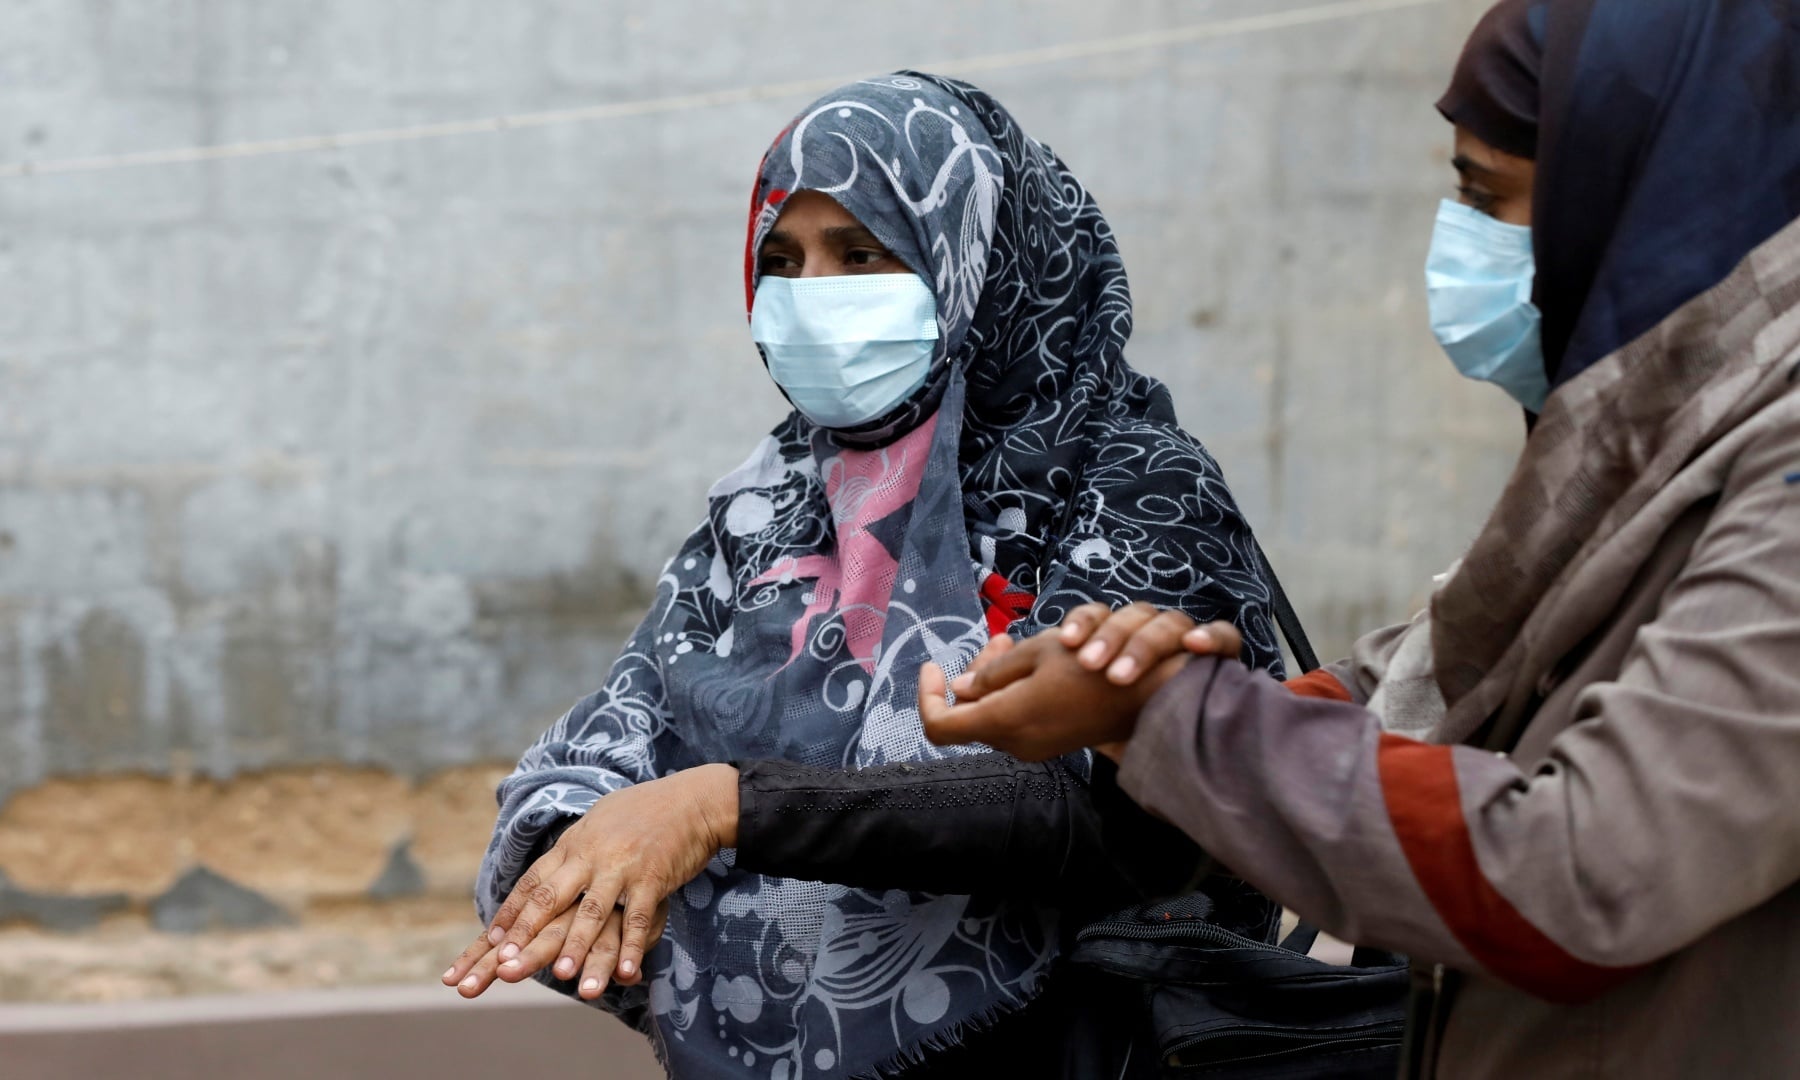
[(1667, 140)]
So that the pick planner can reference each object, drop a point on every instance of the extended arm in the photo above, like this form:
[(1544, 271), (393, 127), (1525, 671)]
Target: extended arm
[(986, 823), (1664, 813), (598, 761)]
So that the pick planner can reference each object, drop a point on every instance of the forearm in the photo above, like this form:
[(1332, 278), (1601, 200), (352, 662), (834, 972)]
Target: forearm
[(987, 823), (1550, 882), (1283, 790), (928, 827)]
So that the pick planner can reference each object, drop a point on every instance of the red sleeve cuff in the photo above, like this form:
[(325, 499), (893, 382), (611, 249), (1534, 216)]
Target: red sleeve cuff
[(1319, 684), (1424, 803)]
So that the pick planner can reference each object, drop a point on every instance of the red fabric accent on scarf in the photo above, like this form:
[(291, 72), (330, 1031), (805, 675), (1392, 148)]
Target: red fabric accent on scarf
[(1418, 783), (776, 198), (1318, 684), (1004, 605), (750, 242)]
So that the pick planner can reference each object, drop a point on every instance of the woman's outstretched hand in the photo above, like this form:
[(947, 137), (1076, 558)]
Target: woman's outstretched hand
[(479, 965), (596, 902)]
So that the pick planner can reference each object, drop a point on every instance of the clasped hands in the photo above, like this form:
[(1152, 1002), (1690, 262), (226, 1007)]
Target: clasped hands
[(1080, 686), (597, 901)]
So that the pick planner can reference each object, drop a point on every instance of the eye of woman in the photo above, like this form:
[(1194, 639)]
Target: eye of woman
[(867, 256), (1477, 198), (777, 264)]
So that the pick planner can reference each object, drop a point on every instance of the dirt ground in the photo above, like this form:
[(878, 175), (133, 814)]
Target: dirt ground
[(399, 942), (295, 835), (312, 840)]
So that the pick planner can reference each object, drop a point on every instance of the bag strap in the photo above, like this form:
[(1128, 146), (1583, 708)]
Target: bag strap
[(1285, 616), (1301, 938)]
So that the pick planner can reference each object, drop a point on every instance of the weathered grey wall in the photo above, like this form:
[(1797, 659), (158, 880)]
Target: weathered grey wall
[(371, 455)]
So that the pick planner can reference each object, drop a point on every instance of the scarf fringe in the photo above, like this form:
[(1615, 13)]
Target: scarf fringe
[(904, 1060)]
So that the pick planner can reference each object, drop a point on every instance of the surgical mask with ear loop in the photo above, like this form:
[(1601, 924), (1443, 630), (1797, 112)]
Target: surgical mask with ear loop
[(1478, 281), (846, 350)]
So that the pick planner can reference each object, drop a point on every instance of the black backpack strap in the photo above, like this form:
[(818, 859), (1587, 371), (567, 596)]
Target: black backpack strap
[(1301, 938), (1287, 619)]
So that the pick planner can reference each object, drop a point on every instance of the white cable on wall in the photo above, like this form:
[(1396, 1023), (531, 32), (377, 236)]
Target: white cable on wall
[(972, 65)]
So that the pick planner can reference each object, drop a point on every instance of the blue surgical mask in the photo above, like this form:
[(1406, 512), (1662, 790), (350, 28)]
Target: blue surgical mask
[(1478, 281), (846, 350)]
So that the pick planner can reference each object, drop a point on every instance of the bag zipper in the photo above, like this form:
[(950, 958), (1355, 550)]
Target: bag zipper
[(1193, 929)]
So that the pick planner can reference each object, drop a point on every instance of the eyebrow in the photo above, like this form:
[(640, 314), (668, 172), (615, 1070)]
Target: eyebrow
[(1468, 166), (853, 234), (843, 234)]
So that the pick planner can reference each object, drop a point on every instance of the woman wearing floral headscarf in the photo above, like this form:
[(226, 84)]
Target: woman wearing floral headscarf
[(945, 307)]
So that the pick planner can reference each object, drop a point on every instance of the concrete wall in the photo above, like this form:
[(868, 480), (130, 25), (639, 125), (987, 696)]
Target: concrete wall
[(370, 456)]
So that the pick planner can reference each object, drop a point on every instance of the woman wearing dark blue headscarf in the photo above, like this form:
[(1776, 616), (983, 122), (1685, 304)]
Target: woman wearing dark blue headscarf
[(1567, 790), (945, 307)]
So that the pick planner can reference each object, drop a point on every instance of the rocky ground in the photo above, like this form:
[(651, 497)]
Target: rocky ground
[(397, 942), (123, 887)]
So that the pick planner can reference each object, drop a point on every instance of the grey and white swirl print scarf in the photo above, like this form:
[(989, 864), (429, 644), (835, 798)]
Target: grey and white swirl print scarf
[(1034, 471)]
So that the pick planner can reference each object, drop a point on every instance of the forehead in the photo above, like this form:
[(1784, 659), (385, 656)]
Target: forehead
[(1475, 155), (808, 212)]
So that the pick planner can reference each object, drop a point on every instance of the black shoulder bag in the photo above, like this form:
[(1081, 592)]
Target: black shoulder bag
[(1227, 997)]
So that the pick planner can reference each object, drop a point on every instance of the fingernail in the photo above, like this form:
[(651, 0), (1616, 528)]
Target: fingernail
[(469, 983), (962, 682), (449, 974), (509, 952), (496, 935), (591, 985), (1070, 632), (565, 968), (1123, 668), (1094, 652), (626, 967), (511, 964), (1202, 638)]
